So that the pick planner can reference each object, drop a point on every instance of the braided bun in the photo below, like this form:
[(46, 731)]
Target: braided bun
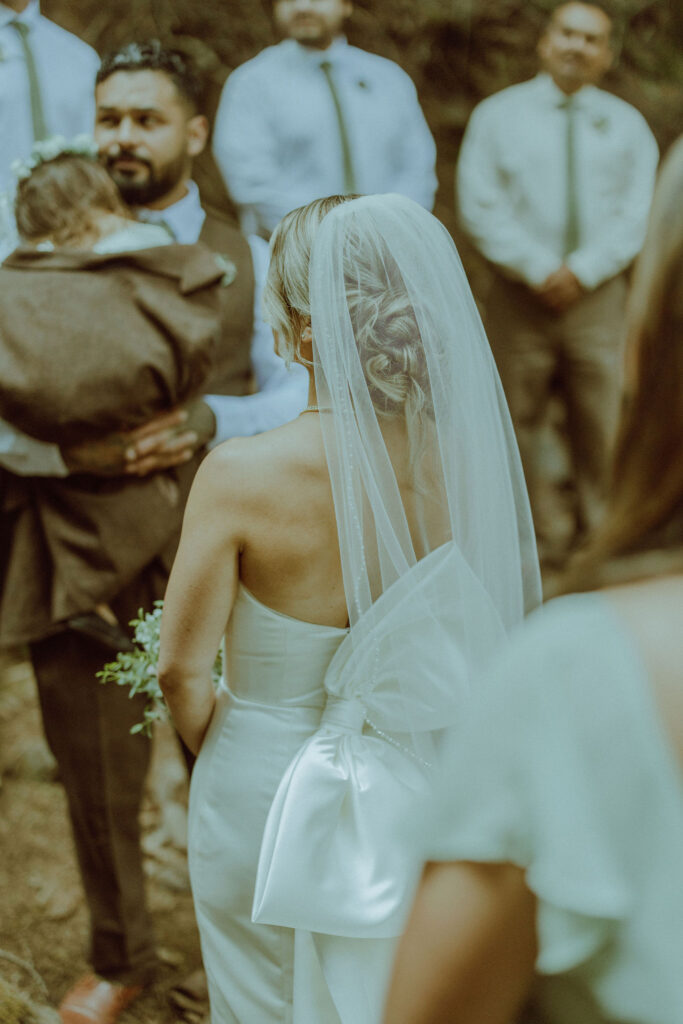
[(387, 333), (382, 316)]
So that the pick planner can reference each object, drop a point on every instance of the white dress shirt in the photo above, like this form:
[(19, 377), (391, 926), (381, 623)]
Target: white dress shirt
[(277, 140), (66, 68), (282, 392), (512, 181)]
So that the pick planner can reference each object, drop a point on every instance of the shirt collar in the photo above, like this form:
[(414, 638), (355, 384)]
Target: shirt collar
[(582, 98), (29, 16), (309, 55), (185, 218)]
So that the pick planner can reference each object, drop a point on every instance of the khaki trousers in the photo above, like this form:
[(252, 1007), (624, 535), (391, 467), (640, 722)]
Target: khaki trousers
[(578, 356), (103, 770)]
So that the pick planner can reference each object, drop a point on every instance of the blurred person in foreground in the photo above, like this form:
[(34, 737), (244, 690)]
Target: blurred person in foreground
[(554, 184), (376, 550), (313, 116), (148, 130), (556, 860)]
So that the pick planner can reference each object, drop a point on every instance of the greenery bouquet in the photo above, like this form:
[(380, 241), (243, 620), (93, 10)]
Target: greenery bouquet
[(137, 669)]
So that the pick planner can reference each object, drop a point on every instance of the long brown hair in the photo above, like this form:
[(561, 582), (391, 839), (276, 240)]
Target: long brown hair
[(642, 533)]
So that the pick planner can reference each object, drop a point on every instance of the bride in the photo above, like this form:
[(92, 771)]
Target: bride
[(361, 563)]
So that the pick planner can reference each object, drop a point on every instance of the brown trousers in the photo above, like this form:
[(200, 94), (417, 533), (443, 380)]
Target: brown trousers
[(103, 769), (576, 355)]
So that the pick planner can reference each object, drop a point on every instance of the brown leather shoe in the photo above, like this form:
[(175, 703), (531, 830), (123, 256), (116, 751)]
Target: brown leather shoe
[(93, 1000)]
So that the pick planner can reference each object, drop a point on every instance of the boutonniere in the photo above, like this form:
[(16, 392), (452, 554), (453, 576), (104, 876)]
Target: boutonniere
[(229, 269), (601, 123)]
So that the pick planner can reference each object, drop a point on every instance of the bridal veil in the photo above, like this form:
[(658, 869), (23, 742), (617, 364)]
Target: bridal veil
[(438, 558)]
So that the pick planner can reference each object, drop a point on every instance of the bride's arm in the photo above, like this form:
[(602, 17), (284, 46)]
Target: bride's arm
[(202, 589), (468, 952)]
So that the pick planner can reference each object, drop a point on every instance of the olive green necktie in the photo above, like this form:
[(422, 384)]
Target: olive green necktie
[(37, 112), (349, 176), (571, 232)]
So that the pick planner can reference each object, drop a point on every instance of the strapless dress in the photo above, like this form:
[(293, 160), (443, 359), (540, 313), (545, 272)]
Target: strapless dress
[(270, 704)]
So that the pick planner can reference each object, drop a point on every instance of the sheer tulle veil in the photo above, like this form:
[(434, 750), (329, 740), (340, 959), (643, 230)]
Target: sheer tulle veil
[(438, 556), (429, 493)]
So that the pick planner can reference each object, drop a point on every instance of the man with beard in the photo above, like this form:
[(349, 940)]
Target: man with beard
[(554, 184), (314, 116), (148, 130)]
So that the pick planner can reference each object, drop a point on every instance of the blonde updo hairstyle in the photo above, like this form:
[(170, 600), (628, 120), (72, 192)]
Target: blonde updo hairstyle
[(386, 330), (56, 202), (381, 313), (286, 299)]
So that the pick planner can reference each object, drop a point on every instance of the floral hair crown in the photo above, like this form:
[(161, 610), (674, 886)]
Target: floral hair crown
[(50, 149)]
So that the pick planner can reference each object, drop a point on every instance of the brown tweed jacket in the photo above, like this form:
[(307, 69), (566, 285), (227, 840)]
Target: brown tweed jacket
[(67, 544)]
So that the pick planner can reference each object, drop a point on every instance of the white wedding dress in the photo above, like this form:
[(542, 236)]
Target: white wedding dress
[(325, 743), (272, 704)]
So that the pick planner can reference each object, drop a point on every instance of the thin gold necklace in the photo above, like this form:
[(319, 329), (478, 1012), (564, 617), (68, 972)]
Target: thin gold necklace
[(309, 408)]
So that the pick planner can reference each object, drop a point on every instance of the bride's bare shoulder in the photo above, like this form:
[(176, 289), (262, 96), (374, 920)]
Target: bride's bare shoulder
[(248, 468)]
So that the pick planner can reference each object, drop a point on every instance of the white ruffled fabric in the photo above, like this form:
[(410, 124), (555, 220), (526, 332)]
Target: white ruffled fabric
[(566, 772)]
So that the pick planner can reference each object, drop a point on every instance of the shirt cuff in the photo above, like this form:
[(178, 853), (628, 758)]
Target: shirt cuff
[(538, 268), (243, 416), (29, 457), (587, 269)]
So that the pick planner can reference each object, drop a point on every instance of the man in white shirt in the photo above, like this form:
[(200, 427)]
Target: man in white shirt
[(554, 184), (148, 129), (314, 116), (46, 82)]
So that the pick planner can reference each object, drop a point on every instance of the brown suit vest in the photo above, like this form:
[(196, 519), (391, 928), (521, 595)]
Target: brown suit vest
[(233, 375)]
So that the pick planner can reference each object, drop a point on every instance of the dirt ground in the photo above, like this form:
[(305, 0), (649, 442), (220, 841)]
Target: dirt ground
[(43, 917)]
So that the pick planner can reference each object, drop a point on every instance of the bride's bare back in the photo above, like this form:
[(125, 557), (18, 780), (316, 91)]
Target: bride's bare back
[(289, 557), (261, 513)]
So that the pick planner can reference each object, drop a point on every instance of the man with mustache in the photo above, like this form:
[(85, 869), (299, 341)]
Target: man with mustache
[(149, 128), (314, 116), (554, 183)]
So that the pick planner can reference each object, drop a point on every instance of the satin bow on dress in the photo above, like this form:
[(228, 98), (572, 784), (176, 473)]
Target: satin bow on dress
[(331, 859)]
